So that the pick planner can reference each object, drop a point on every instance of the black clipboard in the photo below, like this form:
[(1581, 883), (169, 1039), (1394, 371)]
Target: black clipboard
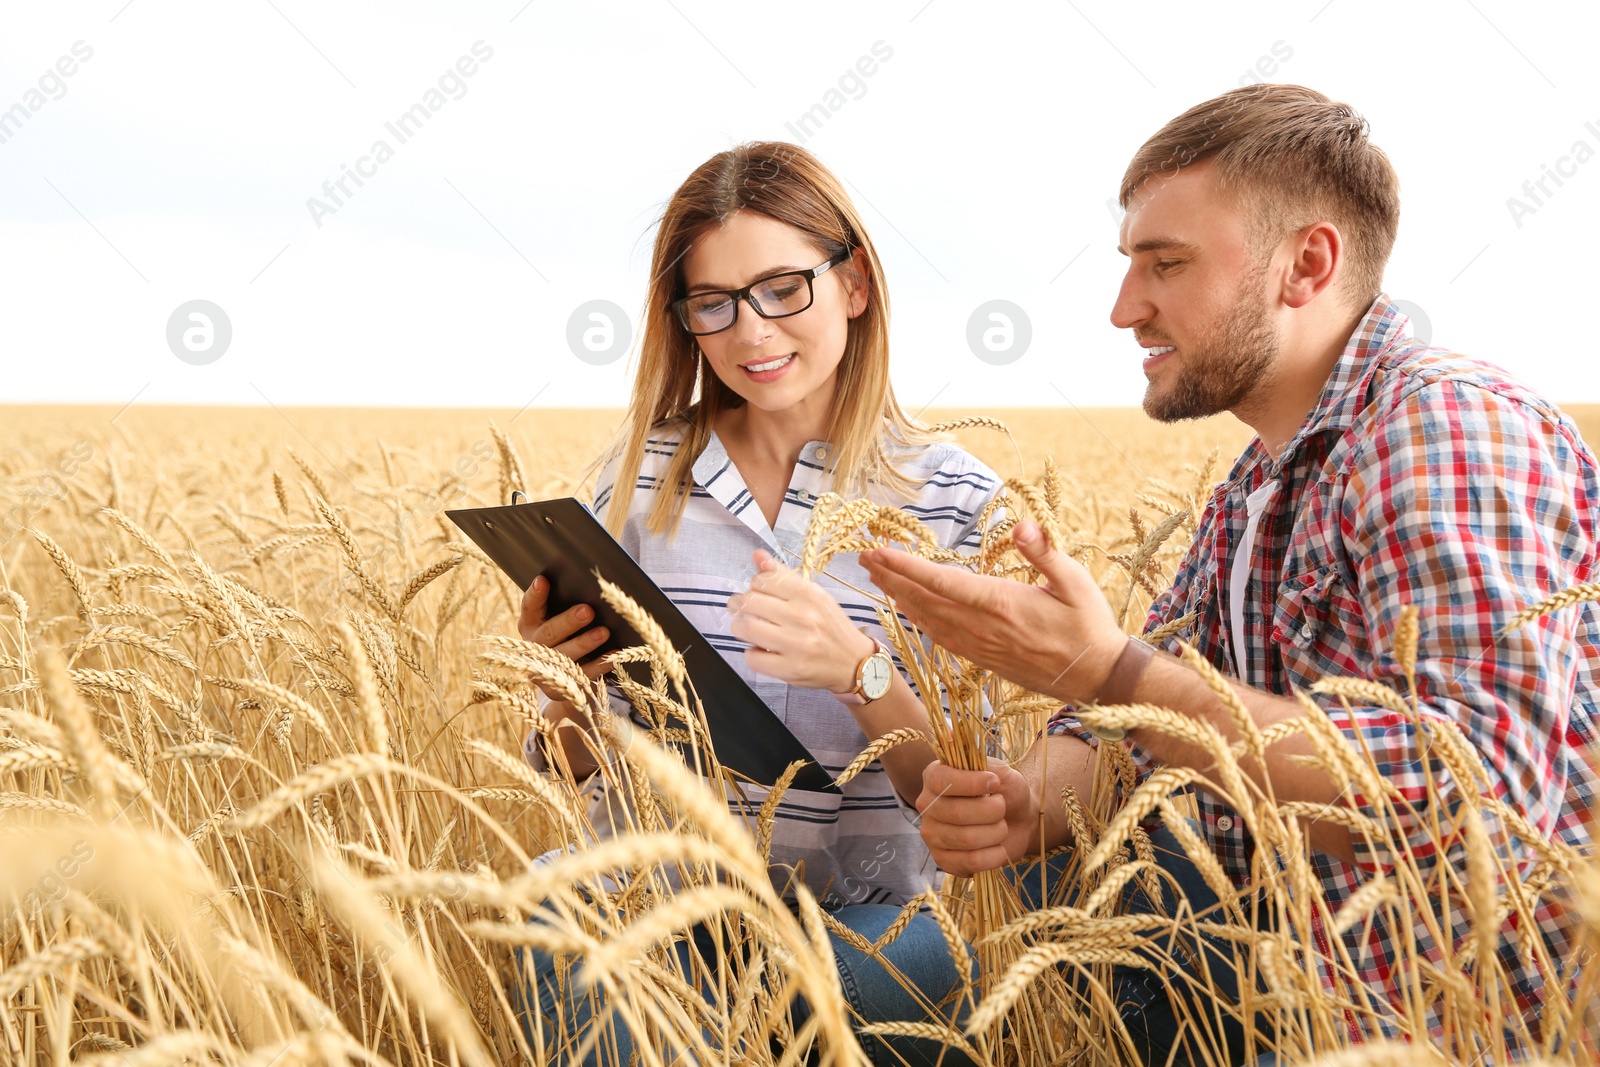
[(563, 541)]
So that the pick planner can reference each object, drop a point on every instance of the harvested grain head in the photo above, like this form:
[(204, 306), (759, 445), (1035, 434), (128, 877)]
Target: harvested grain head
[(168, 889)]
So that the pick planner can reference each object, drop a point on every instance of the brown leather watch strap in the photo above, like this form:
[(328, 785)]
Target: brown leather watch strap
[(1125, 673)]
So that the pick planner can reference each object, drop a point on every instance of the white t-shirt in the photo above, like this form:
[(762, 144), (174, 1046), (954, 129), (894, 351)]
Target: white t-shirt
[(1254, 504)]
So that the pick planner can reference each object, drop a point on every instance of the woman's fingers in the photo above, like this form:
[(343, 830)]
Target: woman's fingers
[(766, 621), (533, 624), (579, 647), (563, 633), (757, 620), (774, 579), (597, 666), (765, 663), (766, 608), (533, 607), (753, 629), (562, 627), (558, 631)]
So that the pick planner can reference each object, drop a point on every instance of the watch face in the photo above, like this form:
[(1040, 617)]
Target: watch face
[(875, 675)]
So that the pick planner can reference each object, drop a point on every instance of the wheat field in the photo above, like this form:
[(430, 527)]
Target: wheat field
[(262, 799)]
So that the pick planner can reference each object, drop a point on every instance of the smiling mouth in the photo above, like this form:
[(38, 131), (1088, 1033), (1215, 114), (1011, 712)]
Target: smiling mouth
[(771, 364), (1155, 356)]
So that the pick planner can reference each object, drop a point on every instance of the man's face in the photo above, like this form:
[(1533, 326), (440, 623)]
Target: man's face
[(1195, 298)]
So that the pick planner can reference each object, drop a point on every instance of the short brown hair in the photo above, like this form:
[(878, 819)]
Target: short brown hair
[(1290, 156)]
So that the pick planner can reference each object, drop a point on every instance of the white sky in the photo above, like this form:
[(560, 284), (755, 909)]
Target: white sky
[(178, 162)]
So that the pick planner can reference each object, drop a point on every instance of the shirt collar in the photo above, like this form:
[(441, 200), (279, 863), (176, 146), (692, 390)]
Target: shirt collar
[(1383, 328), (715, 473)]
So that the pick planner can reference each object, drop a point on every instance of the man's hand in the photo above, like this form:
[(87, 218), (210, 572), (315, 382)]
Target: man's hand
[(1059, 638), (978, 820)]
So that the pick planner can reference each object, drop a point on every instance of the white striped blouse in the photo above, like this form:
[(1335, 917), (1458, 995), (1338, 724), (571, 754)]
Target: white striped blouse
[(861, 846)]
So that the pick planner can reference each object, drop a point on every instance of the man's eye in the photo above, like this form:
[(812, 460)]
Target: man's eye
[(1167, 264)]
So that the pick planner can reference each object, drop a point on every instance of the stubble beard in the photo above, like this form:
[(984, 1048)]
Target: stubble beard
[(1219, 370)]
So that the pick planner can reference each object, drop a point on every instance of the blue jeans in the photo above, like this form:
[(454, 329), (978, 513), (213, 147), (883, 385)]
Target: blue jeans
[(1152, 1014), (919, 954)]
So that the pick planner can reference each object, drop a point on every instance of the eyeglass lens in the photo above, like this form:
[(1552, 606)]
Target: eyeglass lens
[(785, 294)]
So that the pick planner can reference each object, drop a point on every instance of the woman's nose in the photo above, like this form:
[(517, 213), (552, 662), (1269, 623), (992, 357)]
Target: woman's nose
[(751, 328)]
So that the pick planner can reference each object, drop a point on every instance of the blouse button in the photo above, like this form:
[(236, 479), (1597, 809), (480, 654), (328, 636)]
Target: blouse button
[(1224, 823), (822, 452), (802, 495)]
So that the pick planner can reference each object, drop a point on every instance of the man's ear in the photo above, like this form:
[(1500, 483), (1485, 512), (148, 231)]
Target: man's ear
[(858, 283), (1318, 256)]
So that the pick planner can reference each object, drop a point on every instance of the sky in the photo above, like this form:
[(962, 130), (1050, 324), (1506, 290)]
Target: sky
[(173, 231)]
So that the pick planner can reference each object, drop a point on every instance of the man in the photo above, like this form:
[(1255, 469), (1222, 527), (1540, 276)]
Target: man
[(1384, 473)]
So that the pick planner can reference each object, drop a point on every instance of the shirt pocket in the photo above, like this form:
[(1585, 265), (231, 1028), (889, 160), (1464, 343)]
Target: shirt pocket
[(1317, 626), (1200, 603)]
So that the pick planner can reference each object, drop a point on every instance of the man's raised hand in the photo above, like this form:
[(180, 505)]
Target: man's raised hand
[(1058, 638)]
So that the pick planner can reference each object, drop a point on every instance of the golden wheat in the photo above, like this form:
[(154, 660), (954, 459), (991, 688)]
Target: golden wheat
[(262, 797)]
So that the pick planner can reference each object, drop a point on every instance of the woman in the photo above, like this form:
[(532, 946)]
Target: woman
[(769, 297)]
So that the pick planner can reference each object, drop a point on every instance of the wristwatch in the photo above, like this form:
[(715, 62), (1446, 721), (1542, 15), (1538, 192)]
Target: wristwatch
[(873, 676)]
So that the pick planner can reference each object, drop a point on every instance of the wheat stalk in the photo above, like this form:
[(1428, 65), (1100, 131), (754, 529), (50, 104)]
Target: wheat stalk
[(28, 802), (317, 779), (547, 667), (1578, 594), (340, 887), (874, 751), (221, 945), (69, 570), (30, 970)]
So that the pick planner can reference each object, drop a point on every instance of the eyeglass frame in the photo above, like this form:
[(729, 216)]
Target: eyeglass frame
[(743, 296)]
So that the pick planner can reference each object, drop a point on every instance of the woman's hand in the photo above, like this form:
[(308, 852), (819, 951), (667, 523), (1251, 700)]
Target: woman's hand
[(798, 633), (565, 633)]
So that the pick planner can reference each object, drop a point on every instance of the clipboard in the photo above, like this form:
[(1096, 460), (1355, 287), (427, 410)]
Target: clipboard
[(562, 540)]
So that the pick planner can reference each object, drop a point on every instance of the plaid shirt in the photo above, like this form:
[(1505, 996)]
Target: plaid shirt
[(1421, 478)]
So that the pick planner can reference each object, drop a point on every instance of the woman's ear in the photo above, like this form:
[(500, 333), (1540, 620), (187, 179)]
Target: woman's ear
[(858, 283)]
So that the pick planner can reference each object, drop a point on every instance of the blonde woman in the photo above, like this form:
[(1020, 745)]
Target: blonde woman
[(763, 382)]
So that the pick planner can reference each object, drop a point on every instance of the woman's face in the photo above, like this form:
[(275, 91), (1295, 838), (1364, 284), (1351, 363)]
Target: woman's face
[(774, 364)]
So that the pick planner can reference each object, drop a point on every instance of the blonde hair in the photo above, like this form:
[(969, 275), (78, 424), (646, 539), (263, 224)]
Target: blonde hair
[(674, 382)]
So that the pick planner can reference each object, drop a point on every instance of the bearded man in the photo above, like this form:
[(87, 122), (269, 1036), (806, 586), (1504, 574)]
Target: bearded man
[(1384, 473)]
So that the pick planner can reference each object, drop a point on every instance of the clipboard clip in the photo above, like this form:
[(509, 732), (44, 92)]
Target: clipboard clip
[(516, 493)]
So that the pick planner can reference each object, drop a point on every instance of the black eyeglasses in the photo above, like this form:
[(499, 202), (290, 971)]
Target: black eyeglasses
[(776, 297)]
